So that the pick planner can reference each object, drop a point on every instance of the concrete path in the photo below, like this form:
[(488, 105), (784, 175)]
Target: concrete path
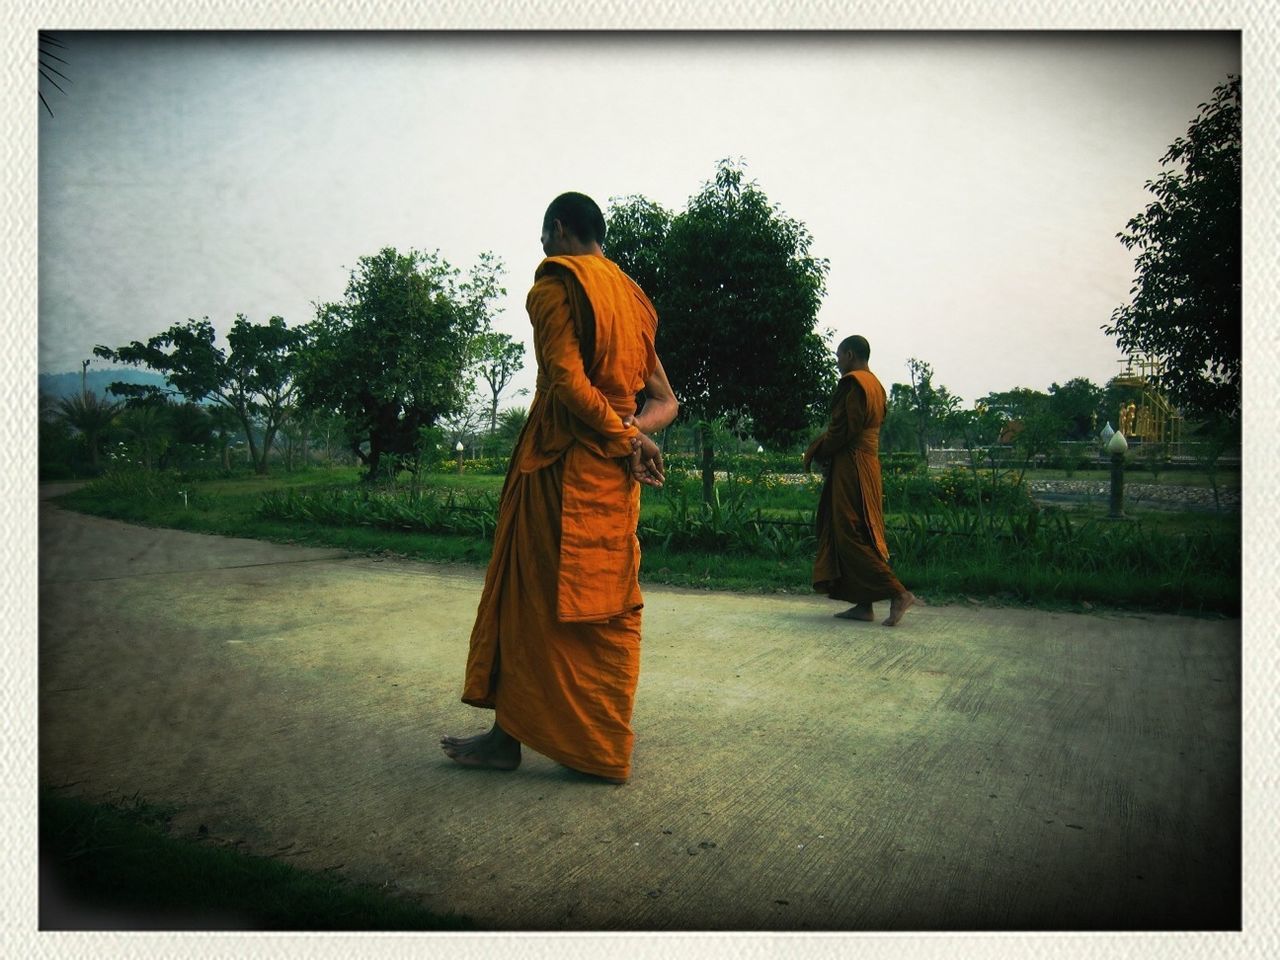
[(971, 769)]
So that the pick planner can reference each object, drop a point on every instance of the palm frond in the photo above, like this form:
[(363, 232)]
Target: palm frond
[(46, 68)]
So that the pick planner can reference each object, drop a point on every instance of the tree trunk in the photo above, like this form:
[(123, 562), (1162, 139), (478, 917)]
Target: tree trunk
[(708, 462), (258, 466), (268, 441)]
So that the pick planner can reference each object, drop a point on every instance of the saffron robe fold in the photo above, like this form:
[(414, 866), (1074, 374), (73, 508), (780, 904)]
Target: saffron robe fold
[(555, 649), (851, 562)]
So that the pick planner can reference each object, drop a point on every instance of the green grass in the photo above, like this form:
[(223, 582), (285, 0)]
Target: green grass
[(1159, 560), (1227, 479), (108, 864)]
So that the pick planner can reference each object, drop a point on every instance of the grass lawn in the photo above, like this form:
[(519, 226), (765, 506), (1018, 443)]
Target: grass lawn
[(939, 566)]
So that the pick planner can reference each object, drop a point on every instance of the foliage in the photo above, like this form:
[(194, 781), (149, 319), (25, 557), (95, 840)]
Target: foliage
[(1115, 396), (430, 511), (510, 425), (59, 450), (146, 424), (90, 416), (1186, 308), (954, 487), (1075, 405), (1020, 403), (976, 430), (733, 282), (1155, 457), (1216, 436), (742, 285), (635, 233), (761, 525), (733, 523), (392, 356), (902, 464), (1037, 440), (930, 406), (255, 380), (497, 358)]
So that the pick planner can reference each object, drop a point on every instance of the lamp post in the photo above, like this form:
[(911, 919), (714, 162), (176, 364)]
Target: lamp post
[(458, 449), (1117, 446)]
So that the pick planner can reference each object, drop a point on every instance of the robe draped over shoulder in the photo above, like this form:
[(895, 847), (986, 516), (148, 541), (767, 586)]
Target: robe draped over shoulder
[(555, 647), (851, 562)]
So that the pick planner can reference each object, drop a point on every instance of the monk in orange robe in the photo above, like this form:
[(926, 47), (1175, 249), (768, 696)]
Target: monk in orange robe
[(555, 650), (852, 562)]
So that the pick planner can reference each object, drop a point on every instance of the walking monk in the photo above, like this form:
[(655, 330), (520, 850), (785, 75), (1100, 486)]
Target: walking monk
[(555, 650), (852, 562)]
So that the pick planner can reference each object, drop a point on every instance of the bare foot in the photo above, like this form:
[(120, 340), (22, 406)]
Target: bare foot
[(862, 611), (898, 606), (495, 750)]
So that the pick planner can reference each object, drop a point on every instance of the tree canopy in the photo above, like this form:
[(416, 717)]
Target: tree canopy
[(254, 379), (1185, 308), (1076, 404), (393, 356), (737, 293)]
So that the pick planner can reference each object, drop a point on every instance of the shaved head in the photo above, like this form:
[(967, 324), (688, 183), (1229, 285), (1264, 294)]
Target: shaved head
[(856, 345), (579, 214)]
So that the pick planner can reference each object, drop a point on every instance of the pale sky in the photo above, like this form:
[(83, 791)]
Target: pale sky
[(966, 188)]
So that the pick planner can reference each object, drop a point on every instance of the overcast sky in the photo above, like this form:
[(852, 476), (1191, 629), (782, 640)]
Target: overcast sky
[(966, 188)]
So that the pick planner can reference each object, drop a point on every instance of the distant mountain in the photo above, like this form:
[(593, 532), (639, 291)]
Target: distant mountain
[(58, 385)]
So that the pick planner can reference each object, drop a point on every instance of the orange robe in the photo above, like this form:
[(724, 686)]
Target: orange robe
[(852, 555), (555, 649)]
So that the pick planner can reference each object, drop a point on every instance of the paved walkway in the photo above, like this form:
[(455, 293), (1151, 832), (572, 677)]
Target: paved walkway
[(971, 769)]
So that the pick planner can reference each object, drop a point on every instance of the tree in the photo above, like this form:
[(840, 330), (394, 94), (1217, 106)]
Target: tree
[(90, 416), (1038, 438), (462, 425), (222, 426), (1185, 308), (635, 233), (392, 357), (1020, 403), (498, 359), (1076, 404), (930, 407), (898, 431), (146, 422), (254, 379), (737, 294)]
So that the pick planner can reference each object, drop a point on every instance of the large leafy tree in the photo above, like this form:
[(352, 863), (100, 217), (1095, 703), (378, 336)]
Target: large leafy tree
[(1020, 403), (636, 231), (1076, 404), (1185, 307), (393, 356), (737, 293), (254, 378)]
